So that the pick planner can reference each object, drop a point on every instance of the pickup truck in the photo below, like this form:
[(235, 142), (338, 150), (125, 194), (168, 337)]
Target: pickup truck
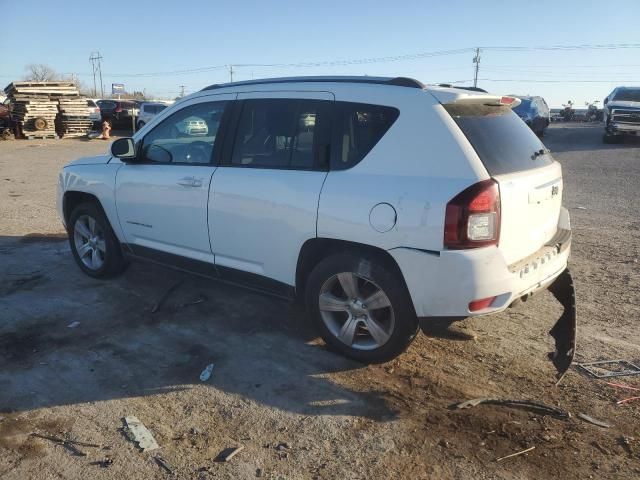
[(621, 114)]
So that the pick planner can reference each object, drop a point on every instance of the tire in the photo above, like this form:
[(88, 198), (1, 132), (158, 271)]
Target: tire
[(40, 123), (394, 321), (102, 255)]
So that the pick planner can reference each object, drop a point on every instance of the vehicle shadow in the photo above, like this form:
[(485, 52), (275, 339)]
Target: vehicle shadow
[(575, 137), (67, 339)]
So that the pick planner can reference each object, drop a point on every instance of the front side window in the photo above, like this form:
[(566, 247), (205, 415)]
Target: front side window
[(279, 133), (187, 136), (359, 127)]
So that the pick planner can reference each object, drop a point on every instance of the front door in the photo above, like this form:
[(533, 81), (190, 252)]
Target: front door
[(264, 197), (162, 197)]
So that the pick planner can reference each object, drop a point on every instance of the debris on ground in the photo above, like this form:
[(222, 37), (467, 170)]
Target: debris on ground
[(73, 324), (206, 373), (166, 294), (228, 453), (138, 433), (516, 454), (164, 464), (104, 463), (283, 446), (610, 368), (625, 387), (526, 404), (626, 444), (594, 421)]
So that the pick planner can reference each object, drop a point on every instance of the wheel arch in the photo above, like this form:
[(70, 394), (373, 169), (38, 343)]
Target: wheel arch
[(72, 198), (314, 250)]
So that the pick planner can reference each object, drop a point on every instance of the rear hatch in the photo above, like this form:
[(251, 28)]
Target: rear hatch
[(529, 179)]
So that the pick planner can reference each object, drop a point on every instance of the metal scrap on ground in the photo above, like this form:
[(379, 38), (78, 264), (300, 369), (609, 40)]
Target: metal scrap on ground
[(594, 421), (138, 433), (610, 368), (526, 404)]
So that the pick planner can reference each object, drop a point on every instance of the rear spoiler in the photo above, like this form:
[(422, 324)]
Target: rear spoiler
[(490, 101)]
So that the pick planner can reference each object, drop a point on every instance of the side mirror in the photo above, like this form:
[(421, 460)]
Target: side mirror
[(124, 149), (606, 100)]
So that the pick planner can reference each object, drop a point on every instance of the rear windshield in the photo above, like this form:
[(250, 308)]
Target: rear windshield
[(504, 143), (107, 104), (628, 95)]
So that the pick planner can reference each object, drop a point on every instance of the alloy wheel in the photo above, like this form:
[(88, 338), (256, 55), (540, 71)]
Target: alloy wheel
[(89, 242), (356, 311)]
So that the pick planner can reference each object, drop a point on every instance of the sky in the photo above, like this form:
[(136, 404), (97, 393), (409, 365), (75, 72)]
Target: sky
[(160, 46)]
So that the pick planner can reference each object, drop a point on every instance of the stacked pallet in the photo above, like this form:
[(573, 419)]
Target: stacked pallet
[(73, 119), (35, 105)]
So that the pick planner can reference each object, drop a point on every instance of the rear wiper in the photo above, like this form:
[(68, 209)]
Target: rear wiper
[(538, 153)]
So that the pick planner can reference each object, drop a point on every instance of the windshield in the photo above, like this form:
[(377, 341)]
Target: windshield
[(504, 143), (524, 106), (628, 95)]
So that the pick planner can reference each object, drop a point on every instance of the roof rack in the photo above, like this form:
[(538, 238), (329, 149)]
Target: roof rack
[(397, 81)]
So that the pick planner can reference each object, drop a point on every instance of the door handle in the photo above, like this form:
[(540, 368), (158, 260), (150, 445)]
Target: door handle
[(187, 182), (190, 182)]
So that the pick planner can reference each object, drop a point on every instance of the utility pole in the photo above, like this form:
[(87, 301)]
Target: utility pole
[(476, 60), (181, 91), (96, 66), (231, 73)]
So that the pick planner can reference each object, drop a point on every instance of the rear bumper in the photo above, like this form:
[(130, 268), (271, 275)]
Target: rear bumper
[(443, 285)]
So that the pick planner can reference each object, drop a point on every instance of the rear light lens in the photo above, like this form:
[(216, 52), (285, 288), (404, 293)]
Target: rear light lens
[(481, 304), (472, 217)]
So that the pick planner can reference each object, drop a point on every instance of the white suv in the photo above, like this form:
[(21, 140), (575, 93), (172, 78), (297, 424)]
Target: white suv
[(379, 201)]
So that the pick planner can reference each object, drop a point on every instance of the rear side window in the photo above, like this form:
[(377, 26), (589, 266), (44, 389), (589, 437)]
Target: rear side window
[(279, 133), (504, 143), (107, 104), (359, 127)]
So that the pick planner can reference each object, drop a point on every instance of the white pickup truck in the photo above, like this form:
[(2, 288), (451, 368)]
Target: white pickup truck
[(621, 114)]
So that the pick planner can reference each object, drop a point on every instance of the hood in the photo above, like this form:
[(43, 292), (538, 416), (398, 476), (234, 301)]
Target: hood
[(622, 104), (95, 160)]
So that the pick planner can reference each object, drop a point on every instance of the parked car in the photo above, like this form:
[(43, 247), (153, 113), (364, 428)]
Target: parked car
[(535, 112), (147, 111), (621, 114), (380, 202), (94, 110), (118, 112)]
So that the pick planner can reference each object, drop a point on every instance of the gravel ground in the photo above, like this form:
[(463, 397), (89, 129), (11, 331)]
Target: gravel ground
[(300, 411)]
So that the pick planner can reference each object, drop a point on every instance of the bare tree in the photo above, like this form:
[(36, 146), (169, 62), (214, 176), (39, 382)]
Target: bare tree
[(39, 72)]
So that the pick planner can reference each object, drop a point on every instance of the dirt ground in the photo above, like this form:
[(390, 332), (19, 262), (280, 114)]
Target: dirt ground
[(299, 410)]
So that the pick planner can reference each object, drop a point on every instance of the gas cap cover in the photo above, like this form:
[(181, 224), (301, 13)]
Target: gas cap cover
[(383, 217)]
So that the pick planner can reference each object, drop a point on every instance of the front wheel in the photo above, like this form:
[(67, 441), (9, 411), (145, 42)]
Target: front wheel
[(95, 247), (361, 307)]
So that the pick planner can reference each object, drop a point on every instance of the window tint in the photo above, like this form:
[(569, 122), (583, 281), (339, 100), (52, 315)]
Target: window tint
[(107, 104), (187, 136), (278, 133), (504, 143), (359, 128)]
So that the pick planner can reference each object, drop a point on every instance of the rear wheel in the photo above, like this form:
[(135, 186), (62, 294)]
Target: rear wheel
[(606, 138), (361, 307), (95, 247)]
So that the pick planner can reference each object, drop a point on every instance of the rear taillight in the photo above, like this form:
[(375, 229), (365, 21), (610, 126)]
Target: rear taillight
[(472, 217)]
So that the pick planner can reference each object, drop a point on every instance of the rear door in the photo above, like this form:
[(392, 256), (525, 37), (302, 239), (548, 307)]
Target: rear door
[(530, 180), (264, 197)]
